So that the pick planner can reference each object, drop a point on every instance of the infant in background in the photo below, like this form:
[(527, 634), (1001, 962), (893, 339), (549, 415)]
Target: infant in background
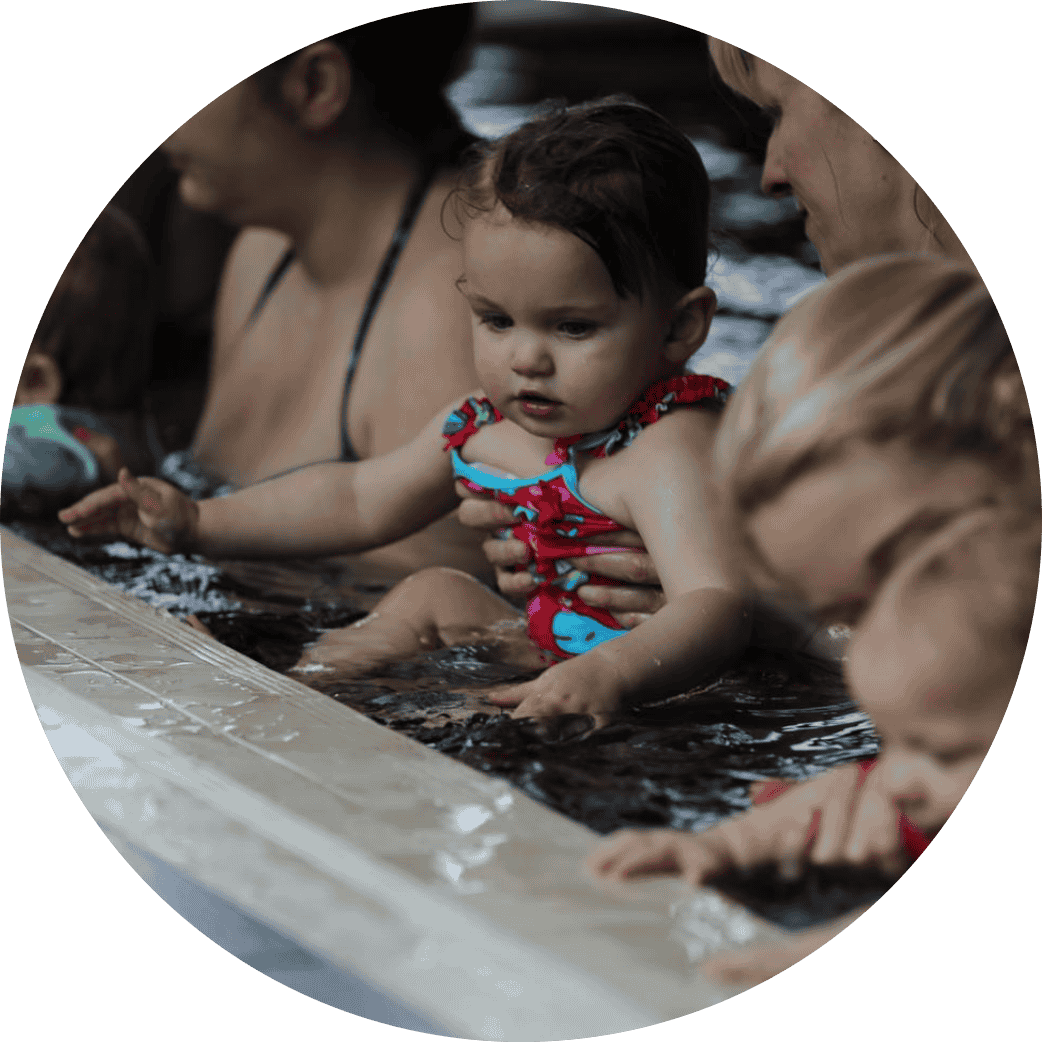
[(78, 406)]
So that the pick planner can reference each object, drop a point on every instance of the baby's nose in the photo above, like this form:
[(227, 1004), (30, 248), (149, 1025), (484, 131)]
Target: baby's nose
[(532, 358)]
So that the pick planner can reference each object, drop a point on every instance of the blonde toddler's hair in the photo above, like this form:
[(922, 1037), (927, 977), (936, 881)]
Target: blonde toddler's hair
[(905, 347)]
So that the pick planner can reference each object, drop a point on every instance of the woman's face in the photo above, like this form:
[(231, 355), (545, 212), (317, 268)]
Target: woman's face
[(233, 157), (856, 199)]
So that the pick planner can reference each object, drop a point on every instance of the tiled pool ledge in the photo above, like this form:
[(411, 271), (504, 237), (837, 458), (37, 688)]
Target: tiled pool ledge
[(444, 888)]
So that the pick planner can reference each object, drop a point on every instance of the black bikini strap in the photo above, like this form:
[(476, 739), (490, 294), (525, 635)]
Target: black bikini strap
[(383, 277), (270, 283)]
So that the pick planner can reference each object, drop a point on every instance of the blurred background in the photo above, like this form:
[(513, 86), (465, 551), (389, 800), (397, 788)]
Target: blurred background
[(524, 54)]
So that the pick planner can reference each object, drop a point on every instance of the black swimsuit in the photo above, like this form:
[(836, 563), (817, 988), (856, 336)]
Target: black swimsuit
[(376, 292)]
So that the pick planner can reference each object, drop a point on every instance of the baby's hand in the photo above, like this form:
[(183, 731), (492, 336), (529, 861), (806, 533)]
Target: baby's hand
[(635, 852), (570, 687), (143, 510)]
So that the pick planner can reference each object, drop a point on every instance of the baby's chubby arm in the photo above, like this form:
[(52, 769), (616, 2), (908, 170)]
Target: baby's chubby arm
[(324, 509), (662, 491)]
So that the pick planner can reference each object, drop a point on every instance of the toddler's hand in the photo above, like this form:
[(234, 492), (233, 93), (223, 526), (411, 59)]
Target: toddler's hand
[(143, 510), (636, 852), (562, 690)]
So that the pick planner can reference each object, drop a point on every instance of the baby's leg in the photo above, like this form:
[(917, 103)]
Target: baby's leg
[(434, 608)]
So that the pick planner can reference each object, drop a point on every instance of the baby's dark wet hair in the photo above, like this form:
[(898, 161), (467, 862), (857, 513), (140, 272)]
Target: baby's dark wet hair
[(612, 172)]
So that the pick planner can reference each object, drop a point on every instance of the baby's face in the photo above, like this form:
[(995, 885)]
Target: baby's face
[(935, 687), (557, 351)]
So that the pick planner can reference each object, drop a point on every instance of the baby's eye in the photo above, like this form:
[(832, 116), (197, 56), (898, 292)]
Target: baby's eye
[(577, 328), (496, 321)]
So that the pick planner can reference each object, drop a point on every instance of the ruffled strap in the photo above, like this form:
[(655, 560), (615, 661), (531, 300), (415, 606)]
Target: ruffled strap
[(661, 397), (467, 420)]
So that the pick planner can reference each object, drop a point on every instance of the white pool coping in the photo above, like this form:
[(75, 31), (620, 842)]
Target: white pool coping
[(443, 887)]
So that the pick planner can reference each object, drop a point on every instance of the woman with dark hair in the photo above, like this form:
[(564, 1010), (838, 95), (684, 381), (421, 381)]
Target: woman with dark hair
[(338, 331)]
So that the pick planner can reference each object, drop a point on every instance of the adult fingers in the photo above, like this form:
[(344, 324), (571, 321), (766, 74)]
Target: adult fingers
[(505, 553), (514, 584), (628, 566), (630, 620), (481, 512), (623, 600)]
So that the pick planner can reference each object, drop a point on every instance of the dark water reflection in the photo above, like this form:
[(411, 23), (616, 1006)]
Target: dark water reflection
[(685, 762)]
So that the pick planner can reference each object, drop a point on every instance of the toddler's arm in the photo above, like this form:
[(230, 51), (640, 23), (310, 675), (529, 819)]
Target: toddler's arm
[(797, 827), (324, 509), (666, 493)]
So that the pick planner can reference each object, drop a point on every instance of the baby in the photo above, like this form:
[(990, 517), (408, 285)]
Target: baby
[(880, 464), (584, 243), (78, 404)]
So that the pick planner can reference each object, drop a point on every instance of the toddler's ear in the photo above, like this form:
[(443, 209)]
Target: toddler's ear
[(40, 382), (690, 325)]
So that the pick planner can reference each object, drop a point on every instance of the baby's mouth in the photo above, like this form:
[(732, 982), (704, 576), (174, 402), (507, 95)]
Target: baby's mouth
[(535, 404)]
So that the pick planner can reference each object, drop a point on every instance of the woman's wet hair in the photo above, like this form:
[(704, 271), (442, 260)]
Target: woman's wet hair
[(400, 67), (905, 347), (97, 325), (615, 174)]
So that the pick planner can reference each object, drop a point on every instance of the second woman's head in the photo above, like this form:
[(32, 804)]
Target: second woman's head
[(857, 201)]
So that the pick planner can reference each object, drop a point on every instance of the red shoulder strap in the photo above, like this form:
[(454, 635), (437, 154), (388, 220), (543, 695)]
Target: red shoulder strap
[(661, 397), (470, 417)]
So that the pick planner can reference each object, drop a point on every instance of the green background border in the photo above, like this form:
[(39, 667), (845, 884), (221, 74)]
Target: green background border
[(91, 89)]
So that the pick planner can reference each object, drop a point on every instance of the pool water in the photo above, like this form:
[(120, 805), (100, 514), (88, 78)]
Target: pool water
[(684, 762)]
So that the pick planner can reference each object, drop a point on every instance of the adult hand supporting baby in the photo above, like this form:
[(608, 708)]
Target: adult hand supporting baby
[(143, 510), (630, 604)]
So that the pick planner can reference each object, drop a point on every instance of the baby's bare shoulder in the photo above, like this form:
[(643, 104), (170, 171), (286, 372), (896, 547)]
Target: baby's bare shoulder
[(687, 432)]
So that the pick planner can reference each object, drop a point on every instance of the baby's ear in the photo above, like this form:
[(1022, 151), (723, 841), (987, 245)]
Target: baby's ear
[(689, 327), (40, 382)]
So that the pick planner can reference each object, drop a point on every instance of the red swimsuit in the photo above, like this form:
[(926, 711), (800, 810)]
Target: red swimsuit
[(913, 840), (553, 518)]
